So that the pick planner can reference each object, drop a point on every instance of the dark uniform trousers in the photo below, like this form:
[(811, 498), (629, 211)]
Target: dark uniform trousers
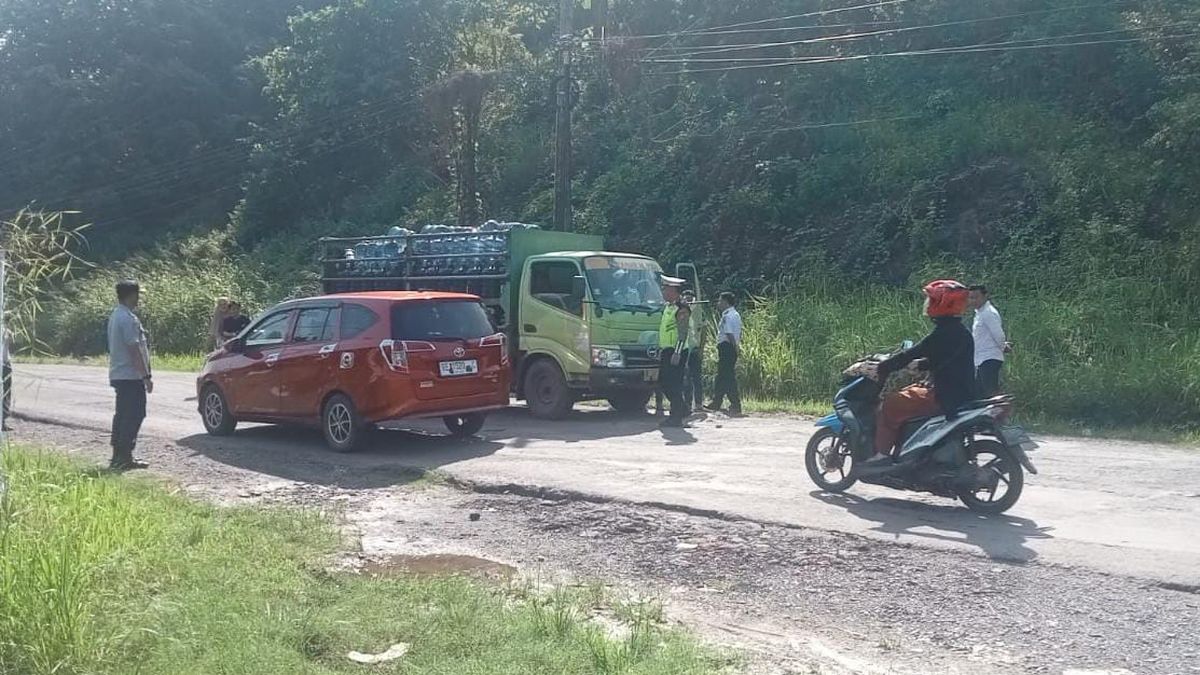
[(670, 379), (127, 422)]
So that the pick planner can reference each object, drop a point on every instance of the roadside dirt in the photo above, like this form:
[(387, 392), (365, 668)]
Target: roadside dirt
[(794, 600)]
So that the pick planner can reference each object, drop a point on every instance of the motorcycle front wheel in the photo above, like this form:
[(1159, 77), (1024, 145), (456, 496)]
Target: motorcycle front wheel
[(829, 461), (1005, 478)]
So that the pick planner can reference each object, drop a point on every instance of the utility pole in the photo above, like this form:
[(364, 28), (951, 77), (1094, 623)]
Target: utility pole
[(562, 132)]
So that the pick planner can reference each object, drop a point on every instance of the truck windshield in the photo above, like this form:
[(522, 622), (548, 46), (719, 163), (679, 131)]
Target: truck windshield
[(624, 283), (440, 321)]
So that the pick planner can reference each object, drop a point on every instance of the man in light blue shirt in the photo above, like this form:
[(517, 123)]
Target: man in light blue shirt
[(129, 375), (729, 344)]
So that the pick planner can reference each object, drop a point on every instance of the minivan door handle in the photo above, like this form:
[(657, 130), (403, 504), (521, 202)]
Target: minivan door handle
[(530, 328), (271, 359), (326, 350)]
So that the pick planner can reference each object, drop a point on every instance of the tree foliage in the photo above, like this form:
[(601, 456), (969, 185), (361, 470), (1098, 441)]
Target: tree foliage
[(993, 132)]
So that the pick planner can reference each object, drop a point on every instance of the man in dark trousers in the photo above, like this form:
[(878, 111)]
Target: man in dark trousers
[(729, 344), (693, 378), (672, 339), (990, 344), (129, 375)]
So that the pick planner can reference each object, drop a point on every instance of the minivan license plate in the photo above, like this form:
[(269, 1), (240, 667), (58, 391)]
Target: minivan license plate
[(459, 368)]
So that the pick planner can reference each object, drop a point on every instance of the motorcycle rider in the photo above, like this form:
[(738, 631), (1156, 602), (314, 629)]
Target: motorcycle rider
[(947, 353)]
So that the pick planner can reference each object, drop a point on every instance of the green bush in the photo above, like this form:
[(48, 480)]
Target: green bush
[(1115, 351), (179, 290)]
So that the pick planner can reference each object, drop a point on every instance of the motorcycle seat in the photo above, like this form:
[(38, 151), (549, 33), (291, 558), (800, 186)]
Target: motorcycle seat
[(985, 402)]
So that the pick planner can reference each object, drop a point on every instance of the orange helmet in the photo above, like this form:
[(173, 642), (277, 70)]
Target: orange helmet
[(946, 297)]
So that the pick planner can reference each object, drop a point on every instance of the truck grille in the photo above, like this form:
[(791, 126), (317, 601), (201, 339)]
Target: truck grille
[(640, 356)]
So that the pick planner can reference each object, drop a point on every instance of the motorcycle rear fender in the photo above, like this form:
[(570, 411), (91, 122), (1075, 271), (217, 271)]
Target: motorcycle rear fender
[(831, 421), (1022, 457)]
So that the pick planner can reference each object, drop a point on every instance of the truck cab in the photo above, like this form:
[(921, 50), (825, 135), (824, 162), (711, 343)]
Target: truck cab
[(588, 328)]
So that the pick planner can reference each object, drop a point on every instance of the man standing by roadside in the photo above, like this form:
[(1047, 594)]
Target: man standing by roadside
[(729, 344), (990, 344), (129, 374), (672, 338), (693, 381), (7, 346)]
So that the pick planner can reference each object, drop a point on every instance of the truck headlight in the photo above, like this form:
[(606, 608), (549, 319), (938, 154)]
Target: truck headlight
[(607, 357)]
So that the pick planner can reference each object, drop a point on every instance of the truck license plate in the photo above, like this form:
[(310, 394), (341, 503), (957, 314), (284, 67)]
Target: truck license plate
[(650, 375), (459, 368)]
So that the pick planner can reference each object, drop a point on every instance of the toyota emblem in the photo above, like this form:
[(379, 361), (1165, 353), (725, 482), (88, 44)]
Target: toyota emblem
[(652, 352), (459, 352)]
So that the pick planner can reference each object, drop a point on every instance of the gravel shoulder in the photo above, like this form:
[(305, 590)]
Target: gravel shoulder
[(794, 600)]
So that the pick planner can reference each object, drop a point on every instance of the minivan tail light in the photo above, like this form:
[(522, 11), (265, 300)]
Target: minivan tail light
[(395, 352), (497, 340)]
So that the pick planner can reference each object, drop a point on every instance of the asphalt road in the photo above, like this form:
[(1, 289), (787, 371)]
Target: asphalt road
[(1122, 508)]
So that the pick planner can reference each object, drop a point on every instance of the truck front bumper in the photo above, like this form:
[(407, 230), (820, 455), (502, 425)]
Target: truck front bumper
[(602, 380)]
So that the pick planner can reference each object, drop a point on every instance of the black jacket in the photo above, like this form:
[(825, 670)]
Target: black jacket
[(949, 352)]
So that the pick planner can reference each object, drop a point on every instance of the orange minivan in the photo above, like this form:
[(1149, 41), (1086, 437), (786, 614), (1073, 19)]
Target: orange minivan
[(351, 361)]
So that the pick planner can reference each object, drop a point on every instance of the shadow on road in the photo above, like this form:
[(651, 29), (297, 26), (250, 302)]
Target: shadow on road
[(399, 453), (390, 457), (999, 537), (517, 427)]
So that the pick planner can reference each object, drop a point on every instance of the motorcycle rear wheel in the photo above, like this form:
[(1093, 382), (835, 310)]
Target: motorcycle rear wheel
[(993, 456), (828, 453)]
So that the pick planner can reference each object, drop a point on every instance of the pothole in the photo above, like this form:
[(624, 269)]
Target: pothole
[(438, 565)]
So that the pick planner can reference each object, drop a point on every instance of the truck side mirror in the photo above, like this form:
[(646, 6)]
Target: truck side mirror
[(578, 287)]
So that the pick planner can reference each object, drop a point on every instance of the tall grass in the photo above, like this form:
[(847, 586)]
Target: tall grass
[(1110, 351), (103, 574)]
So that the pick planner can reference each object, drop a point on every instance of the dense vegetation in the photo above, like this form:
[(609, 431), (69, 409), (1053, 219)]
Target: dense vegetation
[(829, 159)]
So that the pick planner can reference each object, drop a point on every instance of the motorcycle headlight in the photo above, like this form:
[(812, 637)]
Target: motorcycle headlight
[(607, 357)]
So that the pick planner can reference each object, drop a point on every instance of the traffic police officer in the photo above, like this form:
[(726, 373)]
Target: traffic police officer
[(672, 337)]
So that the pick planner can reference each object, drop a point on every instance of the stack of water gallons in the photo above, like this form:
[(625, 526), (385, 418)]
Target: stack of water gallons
[(450, 251), (441, 251)]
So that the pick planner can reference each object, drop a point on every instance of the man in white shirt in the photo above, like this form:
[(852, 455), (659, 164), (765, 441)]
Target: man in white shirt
[(729, 343), (129, 375), (990, 343)]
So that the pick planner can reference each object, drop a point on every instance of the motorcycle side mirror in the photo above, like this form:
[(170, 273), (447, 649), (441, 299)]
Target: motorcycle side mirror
[(906, 345)]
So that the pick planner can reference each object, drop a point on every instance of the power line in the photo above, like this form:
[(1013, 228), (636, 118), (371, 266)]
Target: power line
[(975, 49), (831, 125), (237, 185), (713, 30), (710, 49), (687, 34), (819, 59), (806, 15), (241, 150), (167, 175)]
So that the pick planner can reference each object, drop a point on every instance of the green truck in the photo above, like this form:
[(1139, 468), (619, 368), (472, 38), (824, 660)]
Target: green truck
[(581, 322)]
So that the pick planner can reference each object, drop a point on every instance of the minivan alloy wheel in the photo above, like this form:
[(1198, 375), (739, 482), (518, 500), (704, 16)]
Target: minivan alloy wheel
[(214, 409), (340, 422)]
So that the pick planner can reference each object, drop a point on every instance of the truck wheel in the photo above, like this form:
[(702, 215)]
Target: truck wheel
[(342, 426), (630, 402), (546, 391), (461, 426)]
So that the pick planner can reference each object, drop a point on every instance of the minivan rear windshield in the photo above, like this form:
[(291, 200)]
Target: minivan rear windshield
[(442, 320)]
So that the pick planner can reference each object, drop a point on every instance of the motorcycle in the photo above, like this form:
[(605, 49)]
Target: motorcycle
[(975, 455)]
